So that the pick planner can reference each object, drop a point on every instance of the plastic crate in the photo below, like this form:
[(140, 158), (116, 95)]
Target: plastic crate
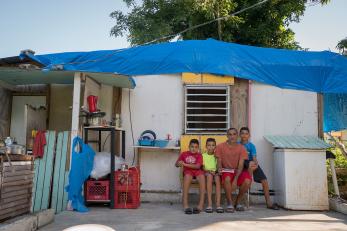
[(127, 180), (127, 199), (97, 190)]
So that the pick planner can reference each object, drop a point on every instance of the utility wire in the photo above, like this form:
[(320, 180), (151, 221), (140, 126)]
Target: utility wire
[(172, 35), (205, 23)]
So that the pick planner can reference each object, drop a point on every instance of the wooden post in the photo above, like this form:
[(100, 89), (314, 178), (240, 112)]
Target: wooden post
[(333, 174), (320, 109), (75, 108)]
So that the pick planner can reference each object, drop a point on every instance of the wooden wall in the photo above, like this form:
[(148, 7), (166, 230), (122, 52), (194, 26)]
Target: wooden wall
[(239, 103), (5, 112)]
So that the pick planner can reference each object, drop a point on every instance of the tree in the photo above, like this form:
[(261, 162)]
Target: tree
[(265, 25), (342, 46)]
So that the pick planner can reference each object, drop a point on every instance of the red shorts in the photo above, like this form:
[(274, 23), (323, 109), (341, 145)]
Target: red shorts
[(193, 172), (243, 176)]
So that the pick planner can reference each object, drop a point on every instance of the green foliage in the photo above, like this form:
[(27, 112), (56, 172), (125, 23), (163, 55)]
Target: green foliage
[(342, 46), (265, 25), (340, 161)]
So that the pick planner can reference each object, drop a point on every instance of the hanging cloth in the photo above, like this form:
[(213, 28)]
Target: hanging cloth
[(39, 144)]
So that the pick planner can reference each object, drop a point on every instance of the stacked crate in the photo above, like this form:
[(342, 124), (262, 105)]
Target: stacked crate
[(127, 189), (16, 181)]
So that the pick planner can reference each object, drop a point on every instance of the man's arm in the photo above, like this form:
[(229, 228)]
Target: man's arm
[(239, 169), (219, 164)]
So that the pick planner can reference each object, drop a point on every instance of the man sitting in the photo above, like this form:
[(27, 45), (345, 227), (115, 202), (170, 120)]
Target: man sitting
[(231, 156)]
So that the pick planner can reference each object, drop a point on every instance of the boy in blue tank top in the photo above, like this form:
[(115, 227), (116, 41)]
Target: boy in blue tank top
[(254, 168)]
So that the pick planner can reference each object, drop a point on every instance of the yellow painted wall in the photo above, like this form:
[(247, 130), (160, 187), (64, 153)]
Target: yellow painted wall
[(202, 140), (192, 78)]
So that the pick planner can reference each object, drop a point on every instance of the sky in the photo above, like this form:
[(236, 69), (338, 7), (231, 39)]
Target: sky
[(49, 26)]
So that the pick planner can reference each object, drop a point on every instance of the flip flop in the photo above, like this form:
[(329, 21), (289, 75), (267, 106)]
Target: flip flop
[(230, 209), (196, 211), (188, 211), (240, 208), (219, 210), (274, 206), (209, 210)]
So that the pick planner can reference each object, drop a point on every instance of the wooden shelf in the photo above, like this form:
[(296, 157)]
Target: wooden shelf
[(157, 148)]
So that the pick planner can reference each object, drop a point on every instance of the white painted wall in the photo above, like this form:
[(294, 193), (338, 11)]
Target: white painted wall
[(105, 105), (17, 114), (156, 104), (276, 111)]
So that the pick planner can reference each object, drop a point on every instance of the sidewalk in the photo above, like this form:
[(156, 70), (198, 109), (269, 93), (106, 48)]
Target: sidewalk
[(171, 217)]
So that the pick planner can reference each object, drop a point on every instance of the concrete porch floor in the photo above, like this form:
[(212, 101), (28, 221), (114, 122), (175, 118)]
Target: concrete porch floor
[(171, 217)]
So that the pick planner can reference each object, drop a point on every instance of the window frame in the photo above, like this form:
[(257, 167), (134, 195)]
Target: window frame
[(228, 108)]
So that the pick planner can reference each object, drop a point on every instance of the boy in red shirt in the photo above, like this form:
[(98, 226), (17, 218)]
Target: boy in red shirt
[(191, 161)]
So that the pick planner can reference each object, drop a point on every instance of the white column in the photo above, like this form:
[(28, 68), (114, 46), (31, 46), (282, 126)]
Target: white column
[(75, 107)]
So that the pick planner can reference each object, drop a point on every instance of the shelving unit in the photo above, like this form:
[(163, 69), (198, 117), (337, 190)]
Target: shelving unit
[(112, 131)]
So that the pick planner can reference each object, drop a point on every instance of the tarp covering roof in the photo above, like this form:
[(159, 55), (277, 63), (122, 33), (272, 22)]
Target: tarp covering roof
[(335, 112), (303, 70)]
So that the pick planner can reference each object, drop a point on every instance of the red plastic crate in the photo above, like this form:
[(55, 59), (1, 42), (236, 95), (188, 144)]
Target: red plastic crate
[(97, 190), (127, 180), (127, 199)]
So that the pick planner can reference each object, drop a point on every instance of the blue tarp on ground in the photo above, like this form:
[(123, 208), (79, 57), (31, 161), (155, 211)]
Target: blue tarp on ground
[(335, 112), (324, 72)]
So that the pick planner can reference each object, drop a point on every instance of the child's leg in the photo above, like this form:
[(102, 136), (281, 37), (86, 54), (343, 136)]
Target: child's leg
[(266, 190), (187, 180), (209, 184), (202, 186), (218, 189)]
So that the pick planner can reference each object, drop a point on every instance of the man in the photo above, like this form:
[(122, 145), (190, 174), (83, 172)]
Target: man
[(231, 156)]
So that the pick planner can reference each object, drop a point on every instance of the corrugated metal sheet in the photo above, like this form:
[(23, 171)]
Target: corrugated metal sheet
[(297, 142)]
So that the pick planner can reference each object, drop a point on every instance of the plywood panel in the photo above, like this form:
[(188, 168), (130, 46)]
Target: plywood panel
[(61, 206), (59, 111), (43, 174), (191, 78), (215, 79), (5, 112), (239, 103)]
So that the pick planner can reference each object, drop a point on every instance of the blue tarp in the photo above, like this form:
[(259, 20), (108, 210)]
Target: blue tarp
[(324, 72), (335, 112)]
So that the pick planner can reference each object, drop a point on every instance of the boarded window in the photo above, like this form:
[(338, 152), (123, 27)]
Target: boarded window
[(206, 109)]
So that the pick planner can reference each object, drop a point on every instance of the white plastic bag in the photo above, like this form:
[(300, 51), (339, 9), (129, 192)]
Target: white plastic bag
[(102, 161)]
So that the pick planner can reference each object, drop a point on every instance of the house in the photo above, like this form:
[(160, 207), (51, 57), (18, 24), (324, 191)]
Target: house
[(274, 92)]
